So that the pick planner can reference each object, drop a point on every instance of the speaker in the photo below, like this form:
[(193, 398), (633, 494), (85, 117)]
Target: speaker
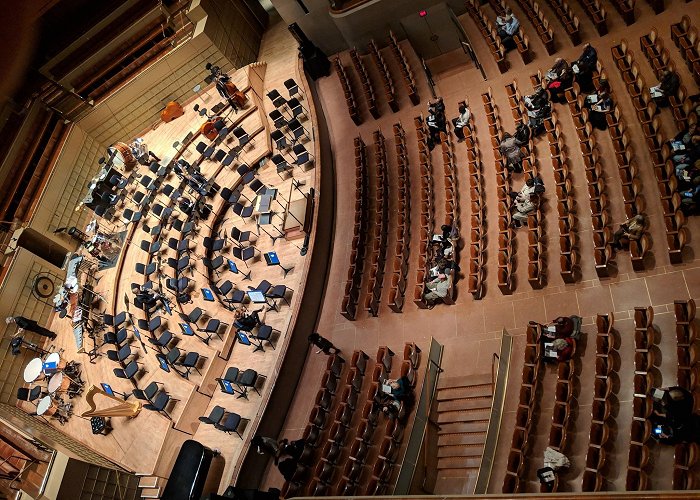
[(316, 64)]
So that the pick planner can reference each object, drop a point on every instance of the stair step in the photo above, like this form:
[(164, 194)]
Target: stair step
[(461, 427), (151, 481), (150, 493), (465, 404), (475, 391), (464, 381), (462, 439), (475, 450), (463, 416), (458, 463)]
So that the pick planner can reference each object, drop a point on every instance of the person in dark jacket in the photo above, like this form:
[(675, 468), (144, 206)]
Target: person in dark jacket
[(324, 345), (29, 325), (668, 86), (584, 67)]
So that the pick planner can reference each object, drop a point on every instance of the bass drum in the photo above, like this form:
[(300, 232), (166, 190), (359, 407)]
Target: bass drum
[(123, 157)]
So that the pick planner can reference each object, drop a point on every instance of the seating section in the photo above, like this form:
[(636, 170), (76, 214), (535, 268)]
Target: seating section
[(397, 291), (685, 36), (489, 33), (350, 448), (381, 229), (366, 83), (628, 170), (596, 13), (383, 69), (567, 18), (686, 454), (659, 151), (477, 248), (522, 42), (600, 216), (527, 409), (427, 212), (564, 406), (408, 78), (660, 60), (359, 239), (599, 440), (566, 207), (506, 234), (347, 91), (642, 404), (538, 19)]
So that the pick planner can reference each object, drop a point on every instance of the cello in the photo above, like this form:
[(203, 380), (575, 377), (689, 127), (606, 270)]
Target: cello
[(235, 95)]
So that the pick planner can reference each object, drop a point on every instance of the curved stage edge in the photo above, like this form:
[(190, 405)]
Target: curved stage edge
[(250, 468)]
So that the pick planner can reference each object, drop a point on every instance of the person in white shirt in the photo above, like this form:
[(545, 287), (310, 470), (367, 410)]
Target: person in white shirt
[(507, 26), (461, 121)]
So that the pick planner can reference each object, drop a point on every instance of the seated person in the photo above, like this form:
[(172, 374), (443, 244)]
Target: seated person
[(684, 140), (526, 201), (528, 188), (558, 79), (631, 230), (246, 322), (686, 158), (436, 290), (668, 86), (437, 108), (433, 131), (461, 122), (674, 404), (522, 133), (506, 27), (584, 67), (399, 389), (564, 348), (510, 149), (599, 105)]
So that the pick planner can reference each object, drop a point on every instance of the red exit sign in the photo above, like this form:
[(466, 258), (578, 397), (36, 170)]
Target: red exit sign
[(423, 13)]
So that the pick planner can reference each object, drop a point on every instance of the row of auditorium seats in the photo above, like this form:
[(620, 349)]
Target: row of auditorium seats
[(566, 208), (538, 19), (406, 71), (527, 407), (397, 292), (451, 205), (383, 69), (568, 19), (346, 401), (686, 455), (564, 406), (601, 417), (660, 60), (627, 169), (359, 239), (489, 33), (522, 42), (515, 99), (600, 216), (427, 212), (596, 13), (506, 233), (347, 91), (688, 348), (642, 405), (477, 248), (381, 227), (626, 10), (659, 152), (365, 82), (685, 36)]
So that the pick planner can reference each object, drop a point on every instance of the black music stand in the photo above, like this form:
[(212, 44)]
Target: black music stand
[(272, 260)]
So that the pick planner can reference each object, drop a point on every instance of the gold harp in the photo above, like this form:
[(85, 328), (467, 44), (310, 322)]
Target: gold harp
[(123, 409)]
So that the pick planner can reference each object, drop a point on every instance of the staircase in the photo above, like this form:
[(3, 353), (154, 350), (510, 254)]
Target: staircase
[(463, 406), (151, 486)]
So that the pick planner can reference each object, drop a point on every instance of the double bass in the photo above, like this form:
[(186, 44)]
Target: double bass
[(172, 110), (235, 95)]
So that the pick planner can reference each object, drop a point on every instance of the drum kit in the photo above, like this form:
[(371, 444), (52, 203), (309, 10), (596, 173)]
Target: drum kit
[(62, 378)]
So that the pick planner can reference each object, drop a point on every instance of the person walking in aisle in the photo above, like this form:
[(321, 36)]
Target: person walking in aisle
[(30, 325)]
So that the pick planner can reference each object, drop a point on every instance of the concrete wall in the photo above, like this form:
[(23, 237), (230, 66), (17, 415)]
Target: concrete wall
[(336, 32)]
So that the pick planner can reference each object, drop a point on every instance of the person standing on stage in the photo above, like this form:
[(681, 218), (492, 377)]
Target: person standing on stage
[(29, 325)]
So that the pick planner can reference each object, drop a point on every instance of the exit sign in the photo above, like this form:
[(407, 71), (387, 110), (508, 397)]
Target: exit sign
[(423, 13)]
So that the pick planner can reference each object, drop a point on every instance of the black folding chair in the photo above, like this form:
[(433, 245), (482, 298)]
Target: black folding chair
[(292, 87)]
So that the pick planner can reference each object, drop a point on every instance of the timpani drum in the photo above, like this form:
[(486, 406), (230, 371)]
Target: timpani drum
[(33, 370), (46, 406), (54, 359), (58, 382), (123, 157)]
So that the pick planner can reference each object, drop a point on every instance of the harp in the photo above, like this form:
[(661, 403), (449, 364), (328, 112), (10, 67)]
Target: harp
[(122, 409)]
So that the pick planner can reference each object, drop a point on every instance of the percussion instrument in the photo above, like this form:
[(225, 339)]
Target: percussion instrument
[(123, 157), (33, 370), (54, 363), (46, 406), (59, 382), (172, 110)]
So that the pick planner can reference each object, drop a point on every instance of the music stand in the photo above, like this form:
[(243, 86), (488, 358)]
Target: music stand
[(272, 260), (257, 297), (108, 389)]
